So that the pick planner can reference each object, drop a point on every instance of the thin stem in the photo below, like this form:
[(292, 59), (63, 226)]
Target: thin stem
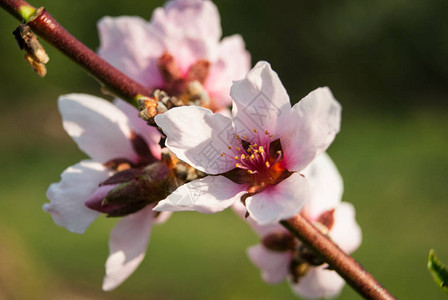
[(44, 25), (355, 275)]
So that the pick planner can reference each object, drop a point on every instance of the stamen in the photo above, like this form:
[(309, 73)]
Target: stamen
[(255, 130), (238, 148), (243, 156), (230, 147), (223, 154), (236, 157), (268, 165)]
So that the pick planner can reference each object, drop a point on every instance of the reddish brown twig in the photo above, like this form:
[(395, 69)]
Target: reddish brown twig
[(44, 25), (355, 275)]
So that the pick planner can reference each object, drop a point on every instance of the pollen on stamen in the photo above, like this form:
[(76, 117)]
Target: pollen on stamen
[(244, 137), (238, 148), (237, 165), (230, 147), (243, 156), (236, 157), (268, 165), (223, 154), (255, 130)]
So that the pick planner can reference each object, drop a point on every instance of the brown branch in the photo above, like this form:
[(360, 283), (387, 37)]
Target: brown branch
[(44, 25), (346, 266)]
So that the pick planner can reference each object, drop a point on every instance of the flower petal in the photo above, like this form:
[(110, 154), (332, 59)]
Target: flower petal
[(207, 195), (162, 217), (326, 186), (188, 29), (127, 247), (259, 101), (262, 230), (149, 133), (314, 122), (67, 196), (99, 128), (346, 233), (319, 283), (274, 265), (127, 44), (226, 69), (199, 137), (280, 201)]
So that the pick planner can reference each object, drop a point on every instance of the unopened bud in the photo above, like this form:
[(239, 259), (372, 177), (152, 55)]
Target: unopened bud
[(279, 241), (95, 201)]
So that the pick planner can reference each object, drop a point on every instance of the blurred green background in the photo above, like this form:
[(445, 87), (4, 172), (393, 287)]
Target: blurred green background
[(386, 61)]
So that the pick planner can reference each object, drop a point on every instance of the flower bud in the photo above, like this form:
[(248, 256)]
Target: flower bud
[(130, 190)]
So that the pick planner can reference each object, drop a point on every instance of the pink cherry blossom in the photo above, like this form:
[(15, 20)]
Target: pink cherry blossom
[(107, 133), (180, 44), (279, 260), (257, 154)]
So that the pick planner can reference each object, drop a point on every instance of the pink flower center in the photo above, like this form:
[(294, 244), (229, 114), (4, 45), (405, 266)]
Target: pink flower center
[(259, 156), (188, 86)]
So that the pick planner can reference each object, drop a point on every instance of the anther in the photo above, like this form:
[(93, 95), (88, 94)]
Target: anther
[(254, 130), (230, 147), (223, 154)]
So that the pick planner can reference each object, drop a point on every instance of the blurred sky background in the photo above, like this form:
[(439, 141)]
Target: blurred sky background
[(386, 61)]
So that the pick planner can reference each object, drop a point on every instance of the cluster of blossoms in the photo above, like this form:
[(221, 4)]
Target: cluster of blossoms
[(267, 159)]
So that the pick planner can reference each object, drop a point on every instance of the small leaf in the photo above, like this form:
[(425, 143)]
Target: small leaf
[(438, 271)]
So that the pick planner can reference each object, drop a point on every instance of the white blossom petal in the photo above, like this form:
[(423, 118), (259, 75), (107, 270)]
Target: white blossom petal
[(126, 43), (319, 283), (274, 265), (280, 201), (99, 128), (162, 217), (326, 186), (262, 230), (207, 195), (314, 121), (127, 247), (260, 102), (149, 133), (346, 232), (226, 69), (199, 137), (68, 196), (188, 29)]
